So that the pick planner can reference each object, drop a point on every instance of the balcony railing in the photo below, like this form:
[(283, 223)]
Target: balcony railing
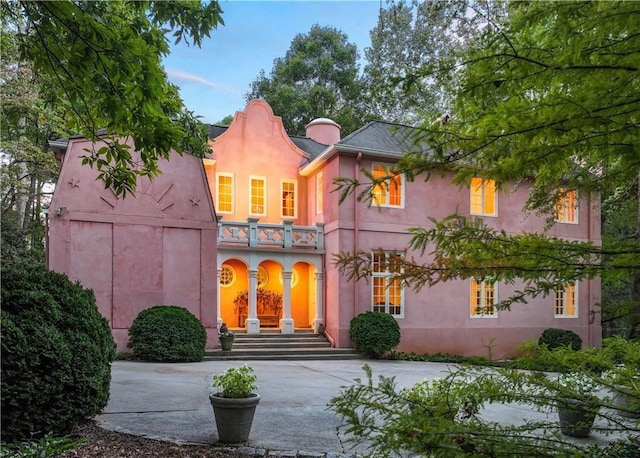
[(285, 235)]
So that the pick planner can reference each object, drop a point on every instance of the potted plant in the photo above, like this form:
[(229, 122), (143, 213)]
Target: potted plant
[(225, 337), (577, 403), (234, 403), (624, 381)]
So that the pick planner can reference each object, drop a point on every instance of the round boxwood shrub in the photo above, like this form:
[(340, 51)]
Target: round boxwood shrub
[(167, 333), (57, 351), (374, 333), (554, 338)]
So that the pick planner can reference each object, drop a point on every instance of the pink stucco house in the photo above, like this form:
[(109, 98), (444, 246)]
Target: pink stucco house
[(247, 237)]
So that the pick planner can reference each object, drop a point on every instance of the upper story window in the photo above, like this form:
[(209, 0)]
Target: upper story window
[(483, 197), (288, 191), (387, 290), (258, 196), (566, 207), (483, 299), (390, 193), (224, 193), (565, 304), (319, 192)]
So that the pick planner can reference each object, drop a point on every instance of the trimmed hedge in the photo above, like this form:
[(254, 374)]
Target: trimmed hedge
[(554, 338), (374, 333), (57, 351), (167, 333)]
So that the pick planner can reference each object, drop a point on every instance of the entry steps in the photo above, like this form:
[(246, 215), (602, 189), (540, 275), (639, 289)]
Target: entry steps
[(269, 345)]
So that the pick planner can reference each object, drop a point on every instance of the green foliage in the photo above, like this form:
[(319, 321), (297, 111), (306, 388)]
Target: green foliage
[(105, 66), (236, 382), (554, 338), (317, 77), (46, 447), (56, 353), (374, 333), (167, 333)]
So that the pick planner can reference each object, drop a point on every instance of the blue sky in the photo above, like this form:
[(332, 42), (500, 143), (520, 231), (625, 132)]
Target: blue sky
[(214, 78)]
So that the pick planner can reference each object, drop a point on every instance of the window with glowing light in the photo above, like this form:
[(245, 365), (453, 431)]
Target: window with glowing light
[(319, 192), (387, 290), (288, 191), (224, 193), (483, 299), (566, 207), (483, 197), (565, 303), (227, 276), (263, 277), (258, 196), (389, 193)]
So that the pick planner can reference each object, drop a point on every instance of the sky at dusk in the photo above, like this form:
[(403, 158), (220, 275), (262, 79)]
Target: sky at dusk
[(213, 79)]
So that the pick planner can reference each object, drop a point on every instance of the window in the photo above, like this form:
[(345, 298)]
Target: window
[(566, 207), (565, 305), (258, 196), (319, 192), (227, 276), (387, 292), (224, 190), (263, 277), (483, 197), (483, 299), (389, 193), (288, 193)]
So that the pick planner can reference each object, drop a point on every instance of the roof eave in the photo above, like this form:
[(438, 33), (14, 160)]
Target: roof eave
[(331, 151)]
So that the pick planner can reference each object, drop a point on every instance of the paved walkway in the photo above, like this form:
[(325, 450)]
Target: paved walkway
[(170, 402)]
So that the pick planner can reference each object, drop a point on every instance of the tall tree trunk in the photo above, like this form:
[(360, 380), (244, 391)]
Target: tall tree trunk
[(635, 292)]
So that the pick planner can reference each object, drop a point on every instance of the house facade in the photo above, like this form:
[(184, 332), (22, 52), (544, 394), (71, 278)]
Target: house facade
[(278, 225)]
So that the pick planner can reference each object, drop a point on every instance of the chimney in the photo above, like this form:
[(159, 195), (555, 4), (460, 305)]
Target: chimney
[(323, 131)]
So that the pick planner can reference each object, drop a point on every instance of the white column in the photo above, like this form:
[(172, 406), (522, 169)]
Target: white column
[(286, 323), (218, 314), (318, 321), (253, 323)]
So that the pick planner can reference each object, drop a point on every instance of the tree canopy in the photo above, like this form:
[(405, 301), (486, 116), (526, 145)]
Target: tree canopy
[(317, 77), (103, 60), (549, 100)]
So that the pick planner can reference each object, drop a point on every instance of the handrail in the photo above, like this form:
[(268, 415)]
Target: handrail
[(252, 233)]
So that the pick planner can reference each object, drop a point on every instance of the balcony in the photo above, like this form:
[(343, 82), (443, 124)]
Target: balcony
[(285, 235)]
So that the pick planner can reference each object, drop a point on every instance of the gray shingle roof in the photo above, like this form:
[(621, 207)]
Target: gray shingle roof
[(383, 137)]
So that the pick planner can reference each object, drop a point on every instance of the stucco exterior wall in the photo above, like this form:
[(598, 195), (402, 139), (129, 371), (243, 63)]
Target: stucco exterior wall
[(155, 248)]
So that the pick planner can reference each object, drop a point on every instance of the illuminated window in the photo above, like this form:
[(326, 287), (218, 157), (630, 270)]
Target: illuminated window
[(565, 305), (389, 193), (263, 277), (319, 192), (483, 197), (566, 207), (387, 291), (224, 193), (288, 193), (483, 299), (258, 196), (227, 276)]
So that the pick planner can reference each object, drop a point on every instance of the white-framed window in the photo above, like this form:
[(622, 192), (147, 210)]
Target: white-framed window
[(224, 192), (263, 277), (567, 206), (391, 192), (483, 197), (483, 299), (319, 193), (258, 196), (566, 301), (387, 290), (289, 198), (227, 276)]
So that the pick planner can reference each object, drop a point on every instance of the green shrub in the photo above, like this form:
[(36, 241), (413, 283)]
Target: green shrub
[(374, 333), (167, 333), (554, 338), (56, 354)]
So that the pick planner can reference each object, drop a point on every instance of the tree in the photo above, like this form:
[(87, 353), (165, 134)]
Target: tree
[(551, 100), (104, 61), (414, 35), (317, 77)]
